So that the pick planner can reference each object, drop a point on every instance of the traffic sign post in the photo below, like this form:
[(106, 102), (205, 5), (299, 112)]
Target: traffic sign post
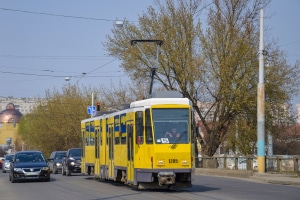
[(91, 110)]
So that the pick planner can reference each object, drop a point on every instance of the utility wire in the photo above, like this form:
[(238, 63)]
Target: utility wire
[(56, 15), (290, 43), (56, 76), (82, 75), (101, 66), (58, 57)]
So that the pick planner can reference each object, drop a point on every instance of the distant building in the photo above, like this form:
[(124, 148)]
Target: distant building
[(298, 113), (24, 105), (11, 112)]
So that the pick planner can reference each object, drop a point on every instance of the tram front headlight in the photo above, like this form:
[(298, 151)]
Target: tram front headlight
[(184, 162), (160, 162)]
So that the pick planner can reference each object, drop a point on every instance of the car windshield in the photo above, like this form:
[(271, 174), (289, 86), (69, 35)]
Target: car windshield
[(60, 155), (9, 157), (75, 152), (30, 157)]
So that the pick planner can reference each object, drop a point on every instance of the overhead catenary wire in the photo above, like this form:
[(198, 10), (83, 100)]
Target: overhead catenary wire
[(57, 57), (56, 15)]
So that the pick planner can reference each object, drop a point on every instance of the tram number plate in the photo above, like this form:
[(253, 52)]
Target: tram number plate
[(173, 161)]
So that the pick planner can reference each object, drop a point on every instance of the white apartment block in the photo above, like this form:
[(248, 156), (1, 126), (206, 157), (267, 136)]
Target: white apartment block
[(24, 105)]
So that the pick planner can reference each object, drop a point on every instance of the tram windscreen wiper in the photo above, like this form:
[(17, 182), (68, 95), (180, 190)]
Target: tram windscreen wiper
[(175, 143)]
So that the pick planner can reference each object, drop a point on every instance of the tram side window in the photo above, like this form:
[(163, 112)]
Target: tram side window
[(139, 127), (123, 130), (117, 133), (106, 130), (89, 134), (149, 137), (100, 135), (96, 143), (83, 142), (117, 137), (130, 142), (123, 137), (90, 140)]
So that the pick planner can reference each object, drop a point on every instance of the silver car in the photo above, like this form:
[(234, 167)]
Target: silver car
[(6, 162)]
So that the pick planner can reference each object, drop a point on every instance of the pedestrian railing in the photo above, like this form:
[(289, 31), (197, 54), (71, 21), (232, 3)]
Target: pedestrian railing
[(277, 164)]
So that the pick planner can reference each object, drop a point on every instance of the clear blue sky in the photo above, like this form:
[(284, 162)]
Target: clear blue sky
[(33, 45)]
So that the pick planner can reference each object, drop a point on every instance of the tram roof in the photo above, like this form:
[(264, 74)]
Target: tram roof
[(159, 101)]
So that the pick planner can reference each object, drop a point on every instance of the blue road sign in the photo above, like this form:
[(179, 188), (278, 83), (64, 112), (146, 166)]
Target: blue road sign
[(91, 110)]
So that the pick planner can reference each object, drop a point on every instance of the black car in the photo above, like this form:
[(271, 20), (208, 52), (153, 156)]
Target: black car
[(71, 162), (54, 161), (27, 165)]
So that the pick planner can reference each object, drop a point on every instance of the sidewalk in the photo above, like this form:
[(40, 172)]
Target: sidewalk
[(283, 179)]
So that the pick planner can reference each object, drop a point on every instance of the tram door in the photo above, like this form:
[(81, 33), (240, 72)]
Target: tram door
[(130, 152), (97, 151), (110, 150)]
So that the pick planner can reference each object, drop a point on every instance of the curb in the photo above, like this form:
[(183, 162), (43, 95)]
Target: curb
[(282, 179), (224, 172)]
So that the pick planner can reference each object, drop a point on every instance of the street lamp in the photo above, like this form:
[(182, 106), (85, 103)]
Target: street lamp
[(119, 23), (67, 78)]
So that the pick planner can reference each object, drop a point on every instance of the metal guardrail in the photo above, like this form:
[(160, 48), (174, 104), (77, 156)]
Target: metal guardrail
[(277, 164)]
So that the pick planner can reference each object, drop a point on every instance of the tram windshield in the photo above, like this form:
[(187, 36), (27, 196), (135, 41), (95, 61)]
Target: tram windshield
[(171, 125)]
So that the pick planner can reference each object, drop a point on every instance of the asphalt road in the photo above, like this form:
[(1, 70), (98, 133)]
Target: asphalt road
[(80, 187)]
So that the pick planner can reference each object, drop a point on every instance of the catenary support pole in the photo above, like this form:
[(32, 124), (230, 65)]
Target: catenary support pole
[(261, 102)]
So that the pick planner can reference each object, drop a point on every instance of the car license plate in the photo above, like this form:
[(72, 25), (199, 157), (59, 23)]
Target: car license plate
[(31, 173)]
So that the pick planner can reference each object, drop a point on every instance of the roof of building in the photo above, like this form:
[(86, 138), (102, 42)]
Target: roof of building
[(10, 114)]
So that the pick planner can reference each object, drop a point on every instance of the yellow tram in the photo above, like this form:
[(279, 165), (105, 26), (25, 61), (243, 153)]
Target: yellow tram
[(131, 145)]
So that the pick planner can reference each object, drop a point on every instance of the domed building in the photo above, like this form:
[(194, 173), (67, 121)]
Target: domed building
[(10, 114), (9, 119)]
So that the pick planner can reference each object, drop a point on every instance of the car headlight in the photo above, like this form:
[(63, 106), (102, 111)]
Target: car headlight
[(72, 163), (18, 169), (45, 168), (58, 164)]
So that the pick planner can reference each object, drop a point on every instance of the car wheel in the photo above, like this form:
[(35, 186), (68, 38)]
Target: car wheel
[(68, 172), (54, 169)]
